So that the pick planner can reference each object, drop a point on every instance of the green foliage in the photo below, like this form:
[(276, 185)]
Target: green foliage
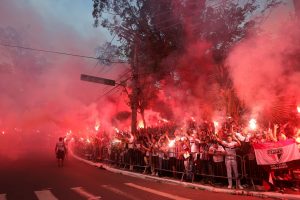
[(164, 29)]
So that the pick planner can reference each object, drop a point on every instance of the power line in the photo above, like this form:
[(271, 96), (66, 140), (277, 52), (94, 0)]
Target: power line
[(119, 79), (58, 52), (112, 89), (164, 28), (106, 93), (47, 51), (105, 51), (116, 91)]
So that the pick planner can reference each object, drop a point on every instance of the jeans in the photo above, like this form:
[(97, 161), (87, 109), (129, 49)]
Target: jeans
[(231, 164)]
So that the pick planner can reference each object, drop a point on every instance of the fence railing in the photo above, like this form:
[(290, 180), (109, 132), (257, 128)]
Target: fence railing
[(192, 169)]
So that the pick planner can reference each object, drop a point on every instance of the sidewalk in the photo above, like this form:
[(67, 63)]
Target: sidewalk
[(191, 185)]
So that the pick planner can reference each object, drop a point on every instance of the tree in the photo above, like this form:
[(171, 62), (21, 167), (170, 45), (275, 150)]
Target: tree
[(164, 30), (138, 25), (223, 24)]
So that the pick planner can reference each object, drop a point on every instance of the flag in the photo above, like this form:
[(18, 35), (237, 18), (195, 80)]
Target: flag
[(277, 154)]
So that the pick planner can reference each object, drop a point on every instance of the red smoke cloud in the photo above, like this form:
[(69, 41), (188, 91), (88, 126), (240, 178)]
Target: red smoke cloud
[(265, 70), (41, 94), (190, 91)]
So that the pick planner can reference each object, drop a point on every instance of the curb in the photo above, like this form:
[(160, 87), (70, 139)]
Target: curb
[(192, 185)]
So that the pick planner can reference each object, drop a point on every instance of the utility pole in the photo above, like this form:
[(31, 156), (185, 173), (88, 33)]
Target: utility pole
[(135, 89), (135, 85)]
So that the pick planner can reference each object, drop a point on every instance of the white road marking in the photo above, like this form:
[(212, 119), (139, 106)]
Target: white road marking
[(120, 192), (164, 194), (45, 195), (85, 194), (2, 196)]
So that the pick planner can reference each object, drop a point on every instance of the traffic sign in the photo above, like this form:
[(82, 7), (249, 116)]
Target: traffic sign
[(95, 79)]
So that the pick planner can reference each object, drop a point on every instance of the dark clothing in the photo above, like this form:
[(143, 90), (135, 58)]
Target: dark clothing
[(60, 154)]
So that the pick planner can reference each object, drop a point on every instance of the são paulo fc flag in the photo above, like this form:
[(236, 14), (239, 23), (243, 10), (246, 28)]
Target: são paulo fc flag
[(276, 154)]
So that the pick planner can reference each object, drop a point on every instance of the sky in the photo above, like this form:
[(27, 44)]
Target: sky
[(48, 24), (41, 93), (75, 14)]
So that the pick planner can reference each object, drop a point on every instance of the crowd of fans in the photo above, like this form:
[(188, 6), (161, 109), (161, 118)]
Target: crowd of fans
[(206, 152)]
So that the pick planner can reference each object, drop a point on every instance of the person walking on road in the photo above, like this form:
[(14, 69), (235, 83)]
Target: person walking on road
[(60, 151)]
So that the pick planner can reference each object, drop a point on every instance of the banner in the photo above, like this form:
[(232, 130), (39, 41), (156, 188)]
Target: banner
[(276, 154)]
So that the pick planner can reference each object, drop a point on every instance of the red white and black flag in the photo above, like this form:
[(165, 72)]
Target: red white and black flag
[(277, 155)]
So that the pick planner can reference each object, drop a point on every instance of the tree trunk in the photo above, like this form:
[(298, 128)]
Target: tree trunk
[(134, 98)]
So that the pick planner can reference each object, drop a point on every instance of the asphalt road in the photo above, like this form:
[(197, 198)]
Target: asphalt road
[(36, 176)]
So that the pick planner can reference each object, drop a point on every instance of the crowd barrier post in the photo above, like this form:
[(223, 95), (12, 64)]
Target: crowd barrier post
[(252, 172)]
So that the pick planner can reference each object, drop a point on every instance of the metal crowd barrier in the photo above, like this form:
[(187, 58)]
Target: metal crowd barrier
[(176, 167), (209, 171), (142, 163), (253, 173)]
